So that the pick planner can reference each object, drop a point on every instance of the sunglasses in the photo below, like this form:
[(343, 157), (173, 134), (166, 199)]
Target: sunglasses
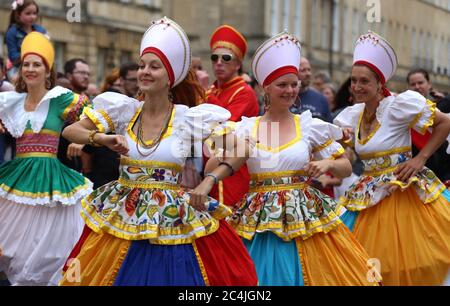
[(224, 57)]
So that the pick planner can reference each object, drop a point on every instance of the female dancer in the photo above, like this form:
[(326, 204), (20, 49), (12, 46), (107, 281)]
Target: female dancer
[(144, 229), (398, 209), (290, 228), (39, 197)]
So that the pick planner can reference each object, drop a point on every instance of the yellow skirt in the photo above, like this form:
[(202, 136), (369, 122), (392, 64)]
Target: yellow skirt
[(98, 262), (411, 240), (336, 259)]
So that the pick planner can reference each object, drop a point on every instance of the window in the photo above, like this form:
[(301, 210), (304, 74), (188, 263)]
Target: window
[(274, 14), (298, 19), (102, 55), (125, 57), (325, 25), (286, 15), (2, 38), (355, 25), (448, 58), (336, 25), (345, 30), (314, 23), (60, 54), (414, 55)]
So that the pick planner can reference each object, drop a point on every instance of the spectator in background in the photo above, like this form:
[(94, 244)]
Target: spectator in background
[(321, 79), (92, 91), (22, 21), (343, 98), (112, 82), (4, 86), (78, 72), (329, 92), (62, 81), (128, 79), (419, 80), (202, 75), (310, 99)]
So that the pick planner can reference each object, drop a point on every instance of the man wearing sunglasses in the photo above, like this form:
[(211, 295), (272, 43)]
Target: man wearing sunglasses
[(230, 91)]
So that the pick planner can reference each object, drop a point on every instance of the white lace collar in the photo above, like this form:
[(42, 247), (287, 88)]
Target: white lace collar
[(14, 116)]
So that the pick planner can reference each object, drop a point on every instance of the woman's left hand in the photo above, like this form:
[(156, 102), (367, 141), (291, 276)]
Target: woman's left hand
[(318, 168), (409, 169), (200, 194)]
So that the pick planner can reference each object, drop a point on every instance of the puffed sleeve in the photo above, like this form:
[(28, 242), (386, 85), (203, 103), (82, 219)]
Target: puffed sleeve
[(73, 105), (112, 112), (411, 109), (322, 137), (349, 118), (206, 121)]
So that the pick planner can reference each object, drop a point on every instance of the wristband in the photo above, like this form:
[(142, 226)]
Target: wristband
[(216, 179)]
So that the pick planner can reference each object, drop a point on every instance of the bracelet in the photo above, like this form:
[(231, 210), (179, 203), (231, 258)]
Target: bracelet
[(91, 138), (229, 167), (216, 179)]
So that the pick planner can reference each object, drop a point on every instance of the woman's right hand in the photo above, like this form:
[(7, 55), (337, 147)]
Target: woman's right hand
[(116, 143), (348, 133)]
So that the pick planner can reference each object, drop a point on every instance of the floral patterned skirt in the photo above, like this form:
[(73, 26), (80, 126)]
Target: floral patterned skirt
[(295, 238)]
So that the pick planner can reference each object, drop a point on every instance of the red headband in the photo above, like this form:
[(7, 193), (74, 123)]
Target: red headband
[(279, 73)]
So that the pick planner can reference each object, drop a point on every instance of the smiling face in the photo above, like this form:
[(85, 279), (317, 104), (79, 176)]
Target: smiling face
[(34, 71), (283, 91), (152, 75), (365, 85)]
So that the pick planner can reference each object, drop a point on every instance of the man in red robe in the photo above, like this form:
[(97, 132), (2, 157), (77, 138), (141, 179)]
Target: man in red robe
[(230, 91)]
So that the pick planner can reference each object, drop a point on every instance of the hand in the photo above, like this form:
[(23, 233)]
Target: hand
[(74, 150), (348, 133), (199, 194), (2, 129), (393, 189), (325, 180), (437, 95), (116, 143), (409, 169), (318, 168)]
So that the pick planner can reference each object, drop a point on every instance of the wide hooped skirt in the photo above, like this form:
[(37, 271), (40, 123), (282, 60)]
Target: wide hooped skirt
[(331, 259), (410, 239), (36, 240), (219, 259)]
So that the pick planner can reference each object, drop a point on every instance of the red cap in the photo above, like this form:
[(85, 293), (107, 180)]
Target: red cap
[(229, 38)]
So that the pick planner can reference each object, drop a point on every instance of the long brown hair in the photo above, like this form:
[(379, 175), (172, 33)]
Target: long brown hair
[(50, 82), (189, 92), (14, 16)]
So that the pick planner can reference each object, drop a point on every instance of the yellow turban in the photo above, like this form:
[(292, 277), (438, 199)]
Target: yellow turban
[(38, 43)]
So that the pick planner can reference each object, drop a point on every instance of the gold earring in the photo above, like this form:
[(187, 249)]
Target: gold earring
[(266, 102)]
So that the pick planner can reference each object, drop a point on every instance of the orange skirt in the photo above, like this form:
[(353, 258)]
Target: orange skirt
[(410, 239)]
